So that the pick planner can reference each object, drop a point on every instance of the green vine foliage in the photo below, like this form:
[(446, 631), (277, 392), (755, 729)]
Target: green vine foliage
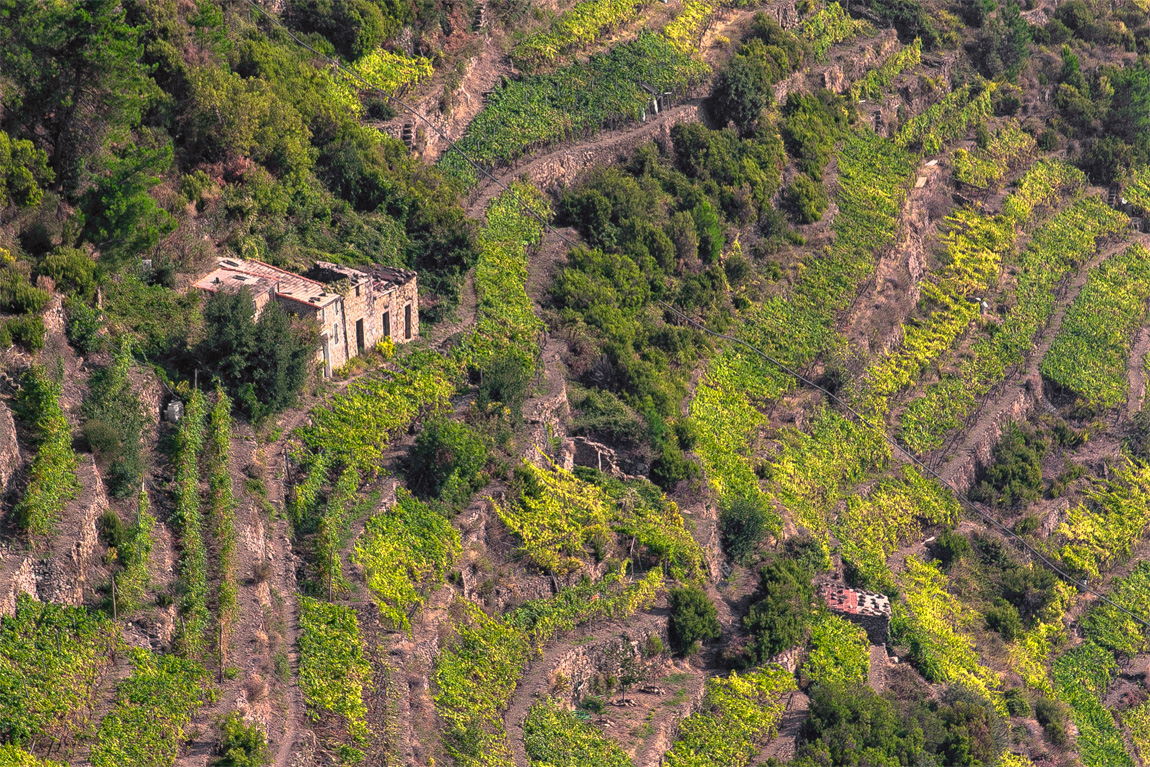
[(334, 674), (828, 26), (1104, 528), (795, 328), (134, 554), (51, 659), (931, 621), (575, 101), (554, 737), (1088, 356), (52, 475), (875, 82), (332, 528), (186, 515), (739, 714), (839, 652), (222, 507), (1056, 248), (947, 120), (14, 756), (1081, 678), (153, 706), (477, 674), (404, 551)]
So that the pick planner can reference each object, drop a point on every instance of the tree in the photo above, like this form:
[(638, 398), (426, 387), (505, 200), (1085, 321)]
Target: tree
[(629, 666), (263, 363), (694, 618), (120, 216), (779, 620), (75, 74)]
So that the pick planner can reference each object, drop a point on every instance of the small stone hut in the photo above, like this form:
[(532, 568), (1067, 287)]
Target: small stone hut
[(355, 308), (868, 609)]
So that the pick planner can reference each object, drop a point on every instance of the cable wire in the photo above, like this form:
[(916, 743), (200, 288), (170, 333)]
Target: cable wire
[(960, 496)]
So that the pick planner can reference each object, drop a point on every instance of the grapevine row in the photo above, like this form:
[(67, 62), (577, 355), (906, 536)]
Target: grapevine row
[(1090, 352), (52, 474), (579, 27)]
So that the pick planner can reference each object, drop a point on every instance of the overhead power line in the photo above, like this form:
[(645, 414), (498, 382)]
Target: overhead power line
[(960, 496), (453, 147)]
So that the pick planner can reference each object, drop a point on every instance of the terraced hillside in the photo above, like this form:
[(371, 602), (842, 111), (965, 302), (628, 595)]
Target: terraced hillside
[(774, 395)]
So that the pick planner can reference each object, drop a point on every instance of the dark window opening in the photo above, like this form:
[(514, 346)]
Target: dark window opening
[(407, 322), (359, 335), (387, 324)]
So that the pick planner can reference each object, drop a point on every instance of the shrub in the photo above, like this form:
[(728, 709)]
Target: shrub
[(602, 415), (1052, 714), (27, 330), (952, 546), (82, 326), (694, 618), (1016, 701), (447, 462), (504, 380), (1004, 619), (1015, 476), (743, 522), (807, 199), (73, 271), (1029, 589), (779, 620), (242, 744)]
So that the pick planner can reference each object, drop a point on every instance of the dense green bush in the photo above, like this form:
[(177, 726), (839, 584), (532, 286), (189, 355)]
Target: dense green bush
[(1003, 617), (1052, 715), (1015, 473), (73, 271), (447, 462), (242, 744), (851, 725), (82, 326), (807, 199), (780, 618), (746, 86), (743, 522), (17, 294), (263, 363), (810, 127), (951, 547), (694, 619), (602, 415), (24, 172), (27, 331)]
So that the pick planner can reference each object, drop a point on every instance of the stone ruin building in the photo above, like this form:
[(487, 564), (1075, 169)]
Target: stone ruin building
[(355, 308), (867, 609)]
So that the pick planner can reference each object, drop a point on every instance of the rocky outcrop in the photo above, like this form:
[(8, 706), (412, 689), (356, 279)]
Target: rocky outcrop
[(10, 458), (581, 451), (61, 574)]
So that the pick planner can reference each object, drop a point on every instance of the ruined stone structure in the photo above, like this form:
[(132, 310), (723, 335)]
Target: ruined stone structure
[(867, 609), (355, 308)]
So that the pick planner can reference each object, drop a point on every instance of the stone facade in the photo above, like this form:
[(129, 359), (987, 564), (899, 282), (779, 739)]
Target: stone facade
[(355, 308), (867, 609)]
